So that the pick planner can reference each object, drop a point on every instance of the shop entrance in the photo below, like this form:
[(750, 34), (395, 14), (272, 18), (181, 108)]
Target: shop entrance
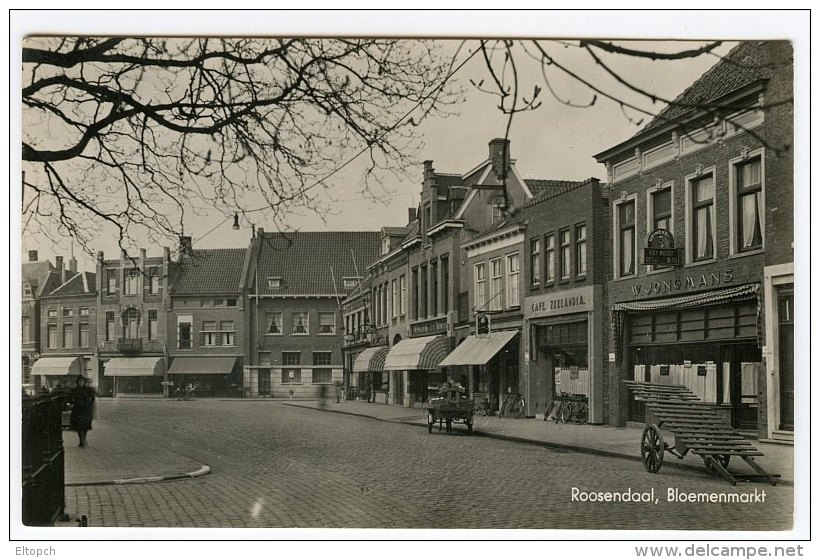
[(785, 347), (562, 361)]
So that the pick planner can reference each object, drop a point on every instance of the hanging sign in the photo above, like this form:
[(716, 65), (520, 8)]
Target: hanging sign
[(661, 249)]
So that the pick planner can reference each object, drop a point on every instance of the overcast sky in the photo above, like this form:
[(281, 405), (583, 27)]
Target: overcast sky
[(553, 142)]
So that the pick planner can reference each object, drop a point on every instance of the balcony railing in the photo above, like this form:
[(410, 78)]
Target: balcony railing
[(129, 345)]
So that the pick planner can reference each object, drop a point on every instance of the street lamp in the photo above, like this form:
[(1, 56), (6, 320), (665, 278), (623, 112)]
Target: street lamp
[(236, 222)]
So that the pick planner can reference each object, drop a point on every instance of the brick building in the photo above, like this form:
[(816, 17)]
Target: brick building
[(358, 338), (296, 283), (38, 278), (565, 240), (68, 324), (133, 298), (707, 184), (206, 321)]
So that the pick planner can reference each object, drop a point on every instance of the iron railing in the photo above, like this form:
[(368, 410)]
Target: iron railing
[(43, 461)]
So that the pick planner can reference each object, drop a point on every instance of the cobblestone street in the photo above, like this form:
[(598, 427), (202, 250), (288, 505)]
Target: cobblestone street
[(274, 465)]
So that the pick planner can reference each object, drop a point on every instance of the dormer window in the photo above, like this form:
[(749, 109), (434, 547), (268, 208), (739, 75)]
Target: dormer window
[(27, 289), (274, 282), (498, 209), (385, 245), (350, 282)]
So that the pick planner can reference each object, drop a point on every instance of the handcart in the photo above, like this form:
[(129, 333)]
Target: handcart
[(697, 428), (451, 405)]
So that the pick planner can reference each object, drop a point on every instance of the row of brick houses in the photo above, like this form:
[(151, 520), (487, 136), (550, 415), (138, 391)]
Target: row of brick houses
[(677, 269)]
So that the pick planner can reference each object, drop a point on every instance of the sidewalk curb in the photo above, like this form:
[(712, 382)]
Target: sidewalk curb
[(518, 439), (203, 470)]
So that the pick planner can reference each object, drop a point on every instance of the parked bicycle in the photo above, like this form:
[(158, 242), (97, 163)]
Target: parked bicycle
[(568, 408), (512, 406)]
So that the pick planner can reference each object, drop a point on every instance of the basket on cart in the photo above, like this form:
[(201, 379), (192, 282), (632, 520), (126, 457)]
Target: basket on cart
[(696, 427)]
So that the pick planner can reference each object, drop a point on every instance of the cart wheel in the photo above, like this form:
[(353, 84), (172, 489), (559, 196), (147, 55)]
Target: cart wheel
[(431, 419), (652, 448), (722, 459)]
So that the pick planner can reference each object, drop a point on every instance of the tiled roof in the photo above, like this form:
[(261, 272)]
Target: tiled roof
[(303, 260), (209, 272), (538, 186), (742, 66), (79, 284), (390, 230), (413, 230), (36, 273), (560, 188)]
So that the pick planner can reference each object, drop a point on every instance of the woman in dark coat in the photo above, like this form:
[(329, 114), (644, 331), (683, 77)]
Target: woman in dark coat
[(81, 398)]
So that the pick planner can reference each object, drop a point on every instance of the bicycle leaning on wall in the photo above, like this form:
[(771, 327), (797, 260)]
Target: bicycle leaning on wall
[(568, 408), (512, 406)]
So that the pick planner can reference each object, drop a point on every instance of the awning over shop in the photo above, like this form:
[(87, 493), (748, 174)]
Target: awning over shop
[(133, 367), (371, 359), (715, 297), (64, 365), (202, 365), (477, 351), (417, 353)]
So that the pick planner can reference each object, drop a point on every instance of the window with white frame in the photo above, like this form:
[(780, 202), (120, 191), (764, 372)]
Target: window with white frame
[(580, 249), (625, 238), (52, 312), (513, 273), (394, 298), (291, 374), (185, 332), (274, 282), (564, 261), (748, 210), (26, 329), (659, 211), (549, 258), (110, 325), (299, 323), (480, 286), (274, 322), (349, 282), (68, 312), (496, 286), (327, 322), (498, 207), (84, 337), (152, 324), (403, 295), (27, 289), (701, 200), (535, 262), (52, 336), (209, 334), (322, 374), (111, 281), (68, 335), (83, 312), (153, 280), (132, 282)]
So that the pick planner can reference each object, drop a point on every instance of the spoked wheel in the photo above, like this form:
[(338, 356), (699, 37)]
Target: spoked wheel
[(566, 412), (431, 419), (722, 459), (581, 414), (652, 448)]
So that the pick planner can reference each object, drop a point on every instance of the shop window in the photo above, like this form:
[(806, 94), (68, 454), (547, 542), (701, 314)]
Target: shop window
[(625, 240), (549, 258), (327, 323), (748, 209), (535, 262), (480, 286), (701, 198)]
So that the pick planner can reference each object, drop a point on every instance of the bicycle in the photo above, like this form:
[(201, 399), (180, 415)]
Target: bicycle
[(512, 406), (568, 408)]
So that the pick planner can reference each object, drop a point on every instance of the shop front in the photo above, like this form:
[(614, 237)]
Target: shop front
[(53, 371), (493, 366), (369, 367), (418, 359), (708, 342), (565, 351), (208, 376), (135, 375)]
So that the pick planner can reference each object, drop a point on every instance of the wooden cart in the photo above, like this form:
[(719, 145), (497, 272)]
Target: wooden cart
[(697, 428), (451, 405)]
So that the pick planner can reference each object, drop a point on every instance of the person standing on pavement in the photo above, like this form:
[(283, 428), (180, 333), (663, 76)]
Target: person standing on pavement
[(82, 399)]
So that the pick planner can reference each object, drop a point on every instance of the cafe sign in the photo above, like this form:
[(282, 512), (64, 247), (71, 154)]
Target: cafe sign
[(434, 326), (577, 300), (661, 249)]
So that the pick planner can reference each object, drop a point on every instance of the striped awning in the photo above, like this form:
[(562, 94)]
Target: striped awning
[(133, 367), (63, 365), (417, 353), (203, 365), (478, 350), (714, 297), (371, 359)]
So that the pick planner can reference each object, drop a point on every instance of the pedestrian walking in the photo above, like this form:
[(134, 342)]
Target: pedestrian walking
[(82, 399), (338, 392), (370, 391)]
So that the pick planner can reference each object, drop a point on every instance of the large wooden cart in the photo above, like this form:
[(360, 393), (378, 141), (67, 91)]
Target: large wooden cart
[(697, 428), (451, 405)]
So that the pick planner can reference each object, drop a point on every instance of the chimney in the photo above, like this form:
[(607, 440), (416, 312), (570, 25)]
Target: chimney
[(32, 256), (72, 265), (185, 245), (498, 157), (58, 264), (411, 215)]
